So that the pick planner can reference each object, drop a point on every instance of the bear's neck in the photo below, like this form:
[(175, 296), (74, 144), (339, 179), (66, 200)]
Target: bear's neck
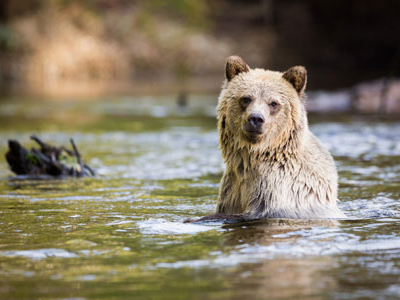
[(244, 157)]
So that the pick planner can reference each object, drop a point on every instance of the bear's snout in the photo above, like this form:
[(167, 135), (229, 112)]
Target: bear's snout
[(255, 123)]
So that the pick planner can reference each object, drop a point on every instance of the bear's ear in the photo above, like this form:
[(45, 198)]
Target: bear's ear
[(297, 76), (235, 65)]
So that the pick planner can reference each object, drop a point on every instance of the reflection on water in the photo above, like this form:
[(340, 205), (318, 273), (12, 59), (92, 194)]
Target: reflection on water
[(121, 235)]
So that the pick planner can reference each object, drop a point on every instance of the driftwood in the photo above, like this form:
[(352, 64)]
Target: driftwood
[(48, 160)]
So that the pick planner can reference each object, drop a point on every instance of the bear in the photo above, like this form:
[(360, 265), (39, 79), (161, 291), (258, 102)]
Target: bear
[(275, 167)]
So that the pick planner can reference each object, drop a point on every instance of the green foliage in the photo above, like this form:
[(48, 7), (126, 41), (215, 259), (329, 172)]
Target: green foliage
[(8, 39), (145, 22), (32, 158), (194, 13)]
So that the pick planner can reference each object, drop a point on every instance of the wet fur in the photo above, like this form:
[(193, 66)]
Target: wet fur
[(285, 173)]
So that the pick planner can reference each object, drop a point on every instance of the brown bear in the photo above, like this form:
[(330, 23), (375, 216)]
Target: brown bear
[(275, 167)]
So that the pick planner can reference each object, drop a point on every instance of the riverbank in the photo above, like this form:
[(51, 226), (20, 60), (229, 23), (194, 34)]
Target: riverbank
[(85, 47)]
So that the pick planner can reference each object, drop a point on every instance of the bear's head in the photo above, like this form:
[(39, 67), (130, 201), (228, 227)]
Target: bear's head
[(260, 108)]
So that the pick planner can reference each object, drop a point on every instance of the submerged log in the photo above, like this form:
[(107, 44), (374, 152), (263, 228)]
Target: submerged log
[(48, 160)]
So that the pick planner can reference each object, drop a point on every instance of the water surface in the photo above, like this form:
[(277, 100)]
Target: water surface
[(121, 236)]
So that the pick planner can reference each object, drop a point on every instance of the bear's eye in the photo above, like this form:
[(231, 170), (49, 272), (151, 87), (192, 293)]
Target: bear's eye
[(244, 101), (273, 104)]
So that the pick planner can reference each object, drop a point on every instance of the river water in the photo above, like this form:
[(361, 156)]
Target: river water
[(120, 235)]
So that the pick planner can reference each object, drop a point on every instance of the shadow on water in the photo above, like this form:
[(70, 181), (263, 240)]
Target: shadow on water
[(266, 232)]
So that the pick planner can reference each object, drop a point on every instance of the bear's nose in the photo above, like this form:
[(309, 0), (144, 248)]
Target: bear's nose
[(256, 120)]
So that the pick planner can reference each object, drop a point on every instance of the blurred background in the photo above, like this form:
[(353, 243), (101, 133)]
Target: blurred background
[(135, 84), (71, 47)]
